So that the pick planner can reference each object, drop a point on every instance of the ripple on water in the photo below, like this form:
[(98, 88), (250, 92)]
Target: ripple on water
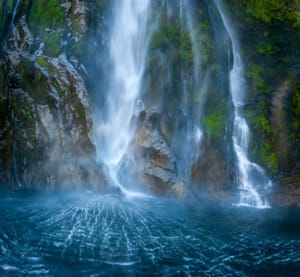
[(91, 235)]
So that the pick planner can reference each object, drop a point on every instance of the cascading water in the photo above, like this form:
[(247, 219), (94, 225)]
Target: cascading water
[(14, 162), (86, 233), (17, 3), (188, 16), (129, 39), (251, 177), (189, 137)]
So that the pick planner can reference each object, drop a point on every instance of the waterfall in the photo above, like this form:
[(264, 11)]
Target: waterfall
[(188, 16), (129, 37), (17, 3), (189, 138), (14, 161), (251, 177)]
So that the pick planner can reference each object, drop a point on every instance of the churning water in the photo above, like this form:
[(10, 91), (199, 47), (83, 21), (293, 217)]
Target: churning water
[(96, 235)]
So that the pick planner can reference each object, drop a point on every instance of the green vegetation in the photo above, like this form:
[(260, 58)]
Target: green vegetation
[(261, 123), (269, 32), (262, 139), (214, 122), (296, 102), (268, 11), (186, 48), (6, 8), (78, 47), (33, 81), (52, 44), (41, 61), (266, 48), (46, 14), (255, 73), (9, 5), (279, 10), (170, 36), (206, 42), (269, 157), (263, 129), (295, 115)]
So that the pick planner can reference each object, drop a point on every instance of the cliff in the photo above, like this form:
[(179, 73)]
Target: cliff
[(46, 129), (53, 63)]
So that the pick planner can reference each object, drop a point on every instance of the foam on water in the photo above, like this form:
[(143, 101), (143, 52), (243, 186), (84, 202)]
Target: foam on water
[(89, 234)]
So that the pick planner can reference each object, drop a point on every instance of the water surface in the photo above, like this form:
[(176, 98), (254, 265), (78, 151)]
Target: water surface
[(86, 234)]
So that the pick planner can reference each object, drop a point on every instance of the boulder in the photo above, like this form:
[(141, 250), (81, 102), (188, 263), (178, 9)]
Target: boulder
[(149, 162)]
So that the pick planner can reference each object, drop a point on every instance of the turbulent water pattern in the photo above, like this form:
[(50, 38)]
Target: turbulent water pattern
[(90, 235)]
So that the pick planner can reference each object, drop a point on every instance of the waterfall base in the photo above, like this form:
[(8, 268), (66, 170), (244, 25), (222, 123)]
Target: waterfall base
[(91, 235)]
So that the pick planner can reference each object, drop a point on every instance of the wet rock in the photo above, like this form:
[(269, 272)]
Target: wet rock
[(149, 161), (279, 123), (210, 172), (46, 130), (19, 42), (77, 13), (79, 172), (287, 194)]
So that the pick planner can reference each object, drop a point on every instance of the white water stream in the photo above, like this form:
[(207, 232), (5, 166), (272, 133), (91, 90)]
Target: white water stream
[(129, 37), (15, 11), (191, 136), (129, 43), (251, 177)]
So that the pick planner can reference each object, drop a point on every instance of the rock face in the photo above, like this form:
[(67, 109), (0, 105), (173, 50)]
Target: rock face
[(270, 42), (46, 131), (53, 58), (211, 174), (288, 194), (149, 162)]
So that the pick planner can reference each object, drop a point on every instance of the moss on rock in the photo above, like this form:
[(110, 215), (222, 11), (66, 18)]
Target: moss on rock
[(215, 122), (52, 43), (33, 81), (46, 14)]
